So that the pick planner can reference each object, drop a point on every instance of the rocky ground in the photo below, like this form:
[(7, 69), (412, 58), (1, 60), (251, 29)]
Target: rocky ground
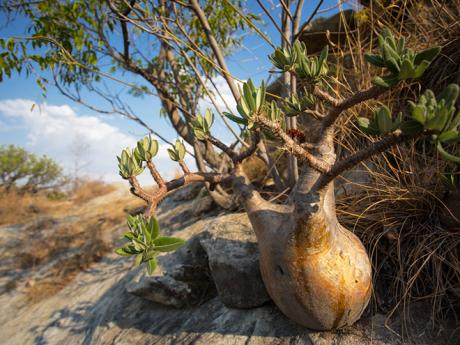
[(196, 297)]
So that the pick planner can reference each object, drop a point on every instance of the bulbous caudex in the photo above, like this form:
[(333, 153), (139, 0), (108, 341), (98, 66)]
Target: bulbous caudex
[(316, 271)]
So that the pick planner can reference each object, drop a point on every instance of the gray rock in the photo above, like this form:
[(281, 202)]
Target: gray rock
[(202, 205), (171, 291), (224, 255), (233, 258), (188, 192)]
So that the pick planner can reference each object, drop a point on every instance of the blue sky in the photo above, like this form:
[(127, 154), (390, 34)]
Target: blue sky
[(58, 127)]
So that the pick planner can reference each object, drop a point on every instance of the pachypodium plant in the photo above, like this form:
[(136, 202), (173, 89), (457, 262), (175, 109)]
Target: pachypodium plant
[(316, 271)]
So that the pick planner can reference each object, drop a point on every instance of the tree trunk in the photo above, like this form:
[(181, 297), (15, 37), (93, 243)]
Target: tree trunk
[(317, 272)]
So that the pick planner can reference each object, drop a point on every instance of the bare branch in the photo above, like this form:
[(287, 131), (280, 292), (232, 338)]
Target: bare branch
[(308, 21), (351, 101), (215, 48), (375, 148)]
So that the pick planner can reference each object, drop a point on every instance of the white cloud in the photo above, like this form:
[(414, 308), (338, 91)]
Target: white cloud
[(225, 98), (58, 131)]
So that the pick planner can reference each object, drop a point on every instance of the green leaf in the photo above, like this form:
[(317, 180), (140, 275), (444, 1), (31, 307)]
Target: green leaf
[(151, 265), (154, 228), (427, 55), (121, 251), (438, 122), (447, 155), (138, 260), (386, 81), (128, 235), (375, 60), (419, 114), (236, 119), (367, 126), (383, 116), (421, 68), (167, 244), (180, 148), (392, 65), (455, 122), (209, 118), (411, 127), (172, 155), (199, 134), (407, 70), (323, 56), (449, 137)]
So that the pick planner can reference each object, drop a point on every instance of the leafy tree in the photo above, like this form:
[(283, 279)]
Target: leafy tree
[(22, 169), (316, 271)]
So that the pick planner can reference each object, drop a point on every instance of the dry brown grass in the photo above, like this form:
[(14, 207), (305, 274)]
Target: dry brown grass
[(66, 236), (90, 189), (397, 213), (20, 208)]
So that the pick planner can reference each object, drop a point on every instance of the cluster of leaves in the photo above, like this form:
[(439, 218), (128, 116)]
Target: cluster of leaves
[(295, 58), (177, 152), (295, 105), (400, 61), (145, 242), (381, 123), (130, 162), (59, 40), (33, 172), (202, 124), (433, 115), (250, 104), (438, 116)]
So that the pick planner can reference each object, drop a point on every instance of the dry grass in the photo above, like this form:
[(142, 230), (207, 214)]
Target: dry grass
[(90, 189), (16, 208), (65, 236), (397, 212)]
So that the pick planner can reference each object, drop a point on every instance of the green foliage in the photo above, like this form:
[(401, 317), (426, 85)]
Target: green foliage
[(74, 38), (202, 124), (273, 112), (295, 105), (177, 152), (250, 104), (295, 59), (400, 61), (34, 173), (145, 242), (313, 68), (130, 163), (436, 116), (285, 59), (381, 123), (147, 148)]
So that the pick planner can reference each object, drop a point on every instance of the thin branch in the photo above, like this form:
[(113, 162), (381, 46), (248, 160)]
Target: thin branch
[(137, 190), (304, 25), (155, 174), (291, 145), (375, 148), (286, 8), (215, 47), (267, 12), (325, 96), (184, 167), (351, 101)]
